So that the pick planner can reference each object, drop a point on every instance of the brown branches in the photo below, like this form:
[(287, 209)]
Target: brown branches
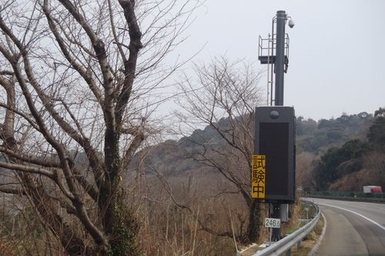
[(223, 98), (130, 63), (71, 120)]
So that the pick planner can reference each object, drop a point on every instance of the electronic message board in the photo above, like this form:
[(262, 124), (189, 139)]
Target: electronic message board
[(273, 163)]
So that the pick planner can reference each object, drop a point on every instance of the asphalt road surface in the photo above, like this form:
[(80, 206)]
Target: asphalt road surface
[(352, 228)]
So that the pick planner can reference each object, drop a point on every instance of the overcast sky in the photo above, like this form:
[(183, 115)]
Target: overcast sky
[(337, 49)]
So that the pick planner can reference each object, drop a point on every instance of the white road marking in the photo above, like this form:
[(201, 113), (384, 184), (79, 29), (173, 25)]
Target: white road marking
[(356, 213)]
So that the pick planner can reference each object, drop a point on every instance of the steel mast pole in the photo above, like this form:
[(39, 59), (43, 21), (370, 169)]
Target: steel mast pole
[(278, 60), (279, 74), (280, 57)]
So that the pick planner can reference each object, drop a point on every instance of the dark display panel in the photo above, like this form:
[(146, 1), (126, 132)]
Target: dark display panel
[(274, 139)]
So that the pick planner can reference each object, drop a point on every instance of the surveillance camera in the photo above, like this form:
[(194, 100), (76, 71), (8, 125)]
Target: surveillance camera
[(291, 23)]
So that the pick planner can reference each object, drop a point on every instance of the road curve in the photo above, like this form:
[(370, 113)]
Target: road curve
[(352, 228)]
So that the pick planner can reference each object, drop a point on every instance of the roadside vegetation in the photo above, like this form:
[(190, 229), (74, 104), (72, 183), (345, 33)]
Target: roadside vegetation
[(84, 166)]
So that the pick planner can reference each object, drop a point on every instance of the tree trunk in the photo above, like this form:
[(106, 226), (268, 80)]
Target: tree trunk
[(254, 221)]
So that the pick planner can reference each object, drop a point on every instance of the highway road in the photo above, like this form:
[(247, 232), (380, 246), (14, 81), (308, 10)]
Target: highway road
[(352, 228)]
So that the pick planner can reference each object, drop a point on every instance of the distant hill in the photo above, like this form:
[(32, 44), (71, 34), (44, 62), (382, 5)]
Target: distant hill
[(177, 156), (356, 163), (317, 137)]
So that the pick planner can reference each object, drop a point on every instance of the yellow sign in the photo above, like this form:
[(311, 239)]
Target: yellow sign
[(258, 177)]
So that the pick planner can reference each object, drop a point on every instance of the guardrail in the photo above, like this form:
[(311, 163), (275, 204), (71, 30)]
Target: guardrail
[(286, 243), (345, 198)]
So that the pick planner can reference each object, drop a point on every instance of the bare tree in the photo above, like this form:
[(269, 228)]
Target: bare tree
[(375, 164), (224, 97), (80, 79), (305, 164)]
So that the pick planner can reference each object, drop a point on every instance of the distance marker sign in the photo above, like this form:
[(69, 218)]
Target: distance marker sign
[(272, 223)]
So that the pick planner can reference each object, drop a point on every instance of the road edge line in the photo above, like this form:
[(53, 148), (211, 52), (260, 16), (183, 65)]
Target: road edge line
[(319, 241)]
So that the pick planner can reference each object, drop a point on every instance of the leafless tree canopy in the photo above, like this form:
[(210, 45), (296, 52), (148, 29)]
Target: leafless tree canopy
[(79, 80), (223, 96)]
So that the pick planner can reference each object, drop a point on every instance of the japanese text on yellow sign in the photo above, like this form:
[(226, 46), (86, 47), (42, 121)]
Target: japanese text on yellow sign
[(258, 176)]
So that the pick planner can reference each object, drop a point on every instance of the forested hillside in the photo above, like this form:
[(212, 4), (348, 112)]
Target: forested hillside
[(316, 137), (358, 162), (329, 152)]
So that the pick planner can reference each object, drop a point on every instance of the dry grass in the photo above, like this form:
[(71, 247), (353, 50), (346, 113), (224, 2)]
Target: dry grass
[(181, 216), (174, 215), (308, 242)]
